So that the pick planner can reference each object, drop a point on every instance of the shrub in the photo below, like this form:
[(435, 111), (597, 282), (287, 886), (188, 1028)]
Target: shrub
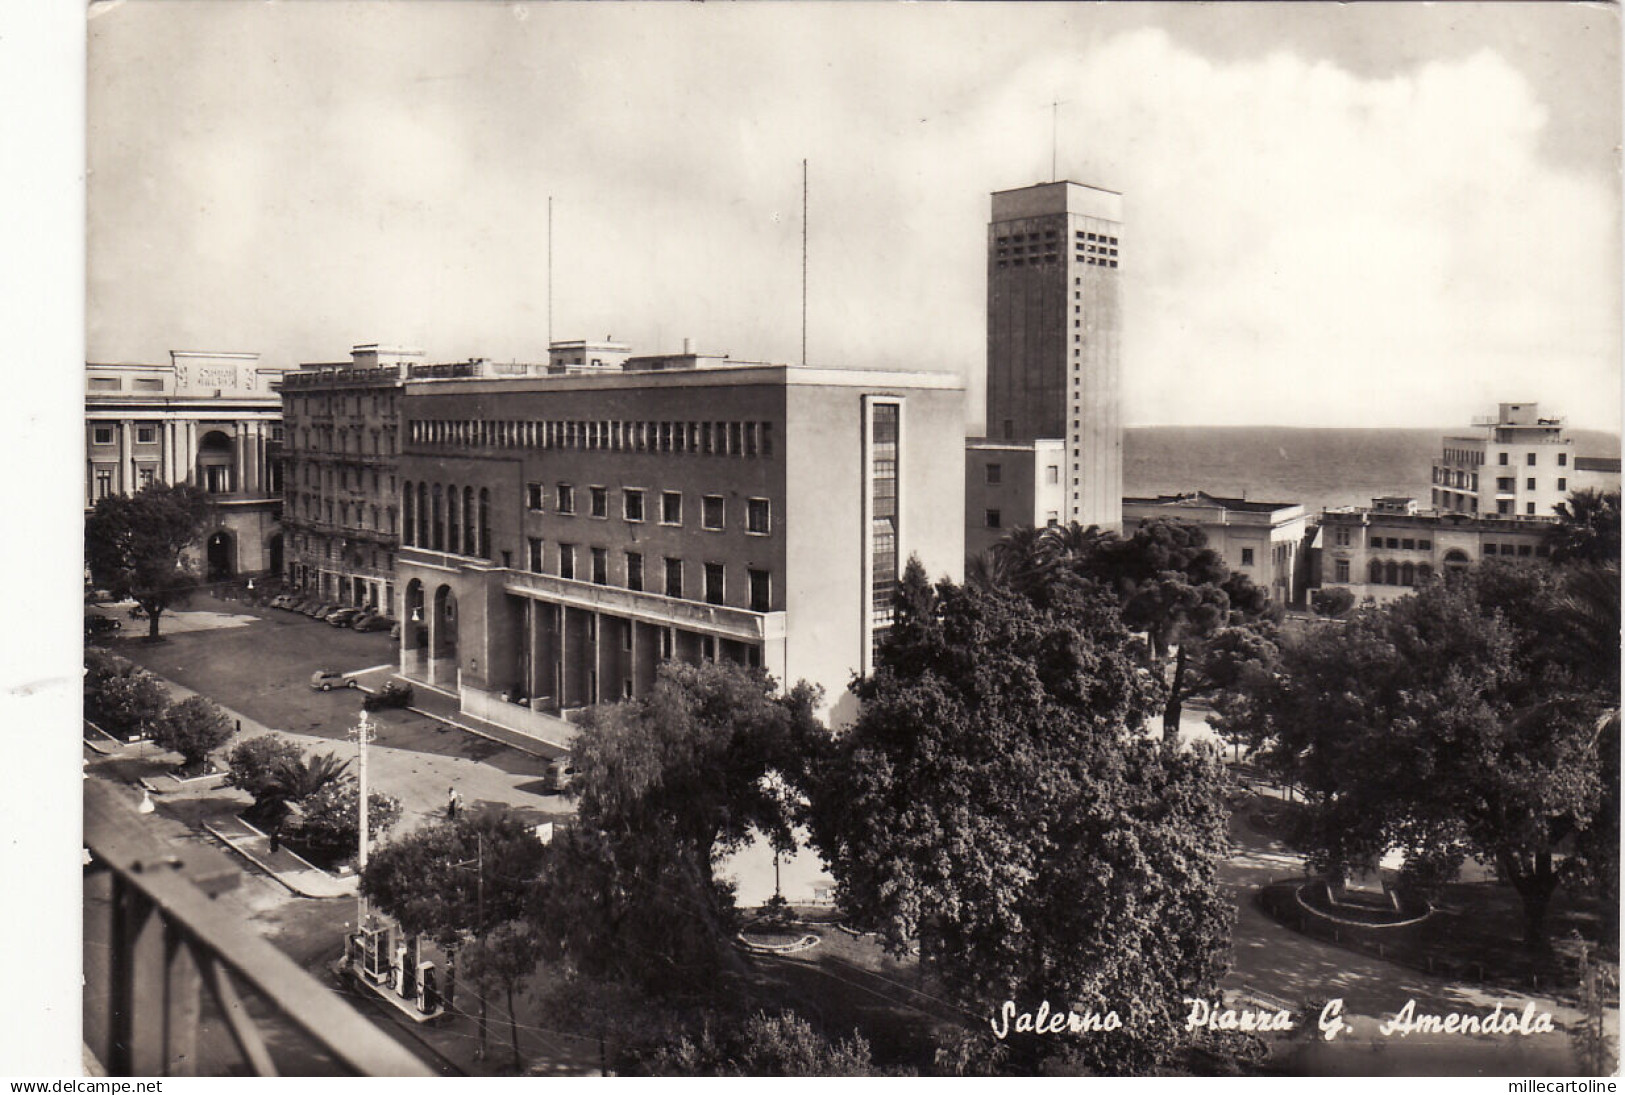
[(324, 824), (257, 766), (1332, 602), (194, 728), (121, 698)]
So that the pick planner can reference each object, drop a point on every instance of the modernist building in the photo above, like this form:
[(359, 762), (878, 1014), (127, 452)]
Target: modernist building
[(564, 534), (1381, 553), (212, 419), (342, 492), (1521, 465), (1054, 322), (1263, 540), (1009, 484)]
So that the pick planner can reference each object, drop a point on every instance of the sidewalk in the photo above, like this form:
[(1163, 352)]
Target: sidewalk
[(284, 866)]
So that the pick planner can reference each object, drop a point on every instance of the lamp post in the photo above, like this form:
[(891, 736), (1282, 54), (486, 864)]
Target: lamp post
[(363, 733)]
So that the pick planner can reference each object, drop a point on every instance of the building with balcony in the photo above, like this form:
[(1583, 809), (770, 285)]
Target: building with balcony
[(1383, 552), (1521, 465), (1263, 540), (212, 419), (564, 534), (340, 477)]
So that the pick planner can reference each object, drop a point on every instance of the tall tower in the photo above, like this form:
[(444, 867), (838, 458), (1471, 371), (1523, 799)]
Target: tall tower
[(1054, 363)]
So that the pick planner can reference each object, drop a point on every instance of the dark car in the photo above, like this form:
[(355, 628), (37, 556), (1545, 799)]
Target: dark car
[(343, 616), (100, 625), (325, 680), (358, 622), (379, 622), (561, 772), (392, 694)]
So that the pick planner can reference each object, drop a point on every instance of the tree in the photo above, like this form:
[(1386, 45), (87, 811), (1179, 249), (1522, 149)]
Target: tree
[(121, 698), (1588, 528), (502, 960), (452, 880), (666, 785), (764, 1045), (1179, 592), (996, 805), (194, 728), (1440, 723), (259, 766), (135, 545), (326, 822), (1332, 603)]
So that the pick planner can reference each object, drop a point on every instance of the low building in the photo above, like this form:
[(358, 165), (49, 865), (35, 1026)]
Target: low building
[(563, 534), (1263, 540), (1598, 473), (1009, 484), (212, 419), (1383, 552)]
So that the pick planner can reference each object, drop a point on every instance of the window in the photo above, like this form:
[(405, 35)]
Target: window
[(1529, 508), (758, 516), (1505, 484), (1342, 537), (1562, 459), (533, 496), (994, 473), (146, 474), (761, 591), (632, 504), (566, 501), (146, 435), (535, 556), (992, 519), (600, 502), (600, 567), (1408, 545), (1424, 545), (1246, 557), (712, 514), (104, 384), (567, 560), (1342, 570), (674, 577), (104, 483), (1530, 483), (103, 435), (1525, 549), (713, 583), (1052, 474), (1502, 459), (1562, 484), (634, 571), (1529, 458), (671, 507)]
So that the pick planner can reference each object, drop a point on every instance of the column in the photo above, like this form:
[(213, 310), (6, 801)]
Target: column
[(561, 692), (632, 654), (166, 451), (239, 453), (126, 458), (531, 647), (597, 656), (189, 451)]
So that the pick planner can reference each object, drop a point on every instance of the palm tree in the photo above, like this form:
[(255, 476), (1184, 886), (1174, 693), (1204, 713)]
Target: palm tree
[(1587, 528), (300, 779)]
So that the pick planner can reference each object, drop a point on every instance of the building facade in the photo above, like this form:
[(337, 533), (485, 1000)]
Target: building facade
[(1382, 553), (212, 419), (1009, 484), (562, 535), (1054, 335), (1521, 465), (341, 476), (1263, 540)]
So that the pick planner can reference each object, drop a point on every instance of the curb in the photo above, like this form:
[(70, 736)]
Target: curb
[(279, 876)]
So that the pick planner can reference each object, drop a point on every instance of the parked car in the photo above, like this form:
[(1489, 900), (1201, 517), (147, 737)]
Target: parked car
[(358, 621), (138, 613), (99, 597), (321, 610), (343, 616), (325, 680), (100, 625), (392, 694), (379, 622)]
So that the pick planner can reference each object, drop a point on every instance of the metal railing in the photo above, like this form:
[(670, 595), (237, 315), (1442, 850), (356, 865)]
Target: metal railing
[(174, 985)]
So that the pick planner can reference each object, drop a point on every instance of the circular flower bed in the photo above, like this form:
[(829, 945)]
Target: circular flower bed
[(1312, 897)]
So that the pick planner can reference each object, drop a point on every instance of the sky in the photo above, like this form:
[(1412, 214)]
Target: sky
[(1335, 215)]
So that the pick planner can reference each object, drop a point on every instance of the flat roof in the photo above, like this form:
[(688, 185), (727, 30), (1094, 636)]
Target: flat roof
[(1202, 498), (718, 376)]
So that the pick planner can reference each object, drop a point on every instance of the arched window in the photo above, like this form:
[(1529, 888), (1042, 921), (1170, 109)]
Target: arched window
[(1393, 573), (485, 523), (454, 522), (1407, 574), (408, 530), (1424, 574), (439, 526), (1376, 572), (469, 547)]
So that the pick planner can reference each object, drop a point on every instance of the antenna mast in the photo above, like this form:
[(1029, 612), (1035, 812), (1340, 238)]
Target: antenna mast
[(804, 262), (550, 271)]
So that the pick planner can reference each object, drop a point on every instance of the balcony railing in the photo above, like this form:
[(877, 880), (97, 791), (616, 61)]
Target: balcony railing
[(724, 620), (175, 985)]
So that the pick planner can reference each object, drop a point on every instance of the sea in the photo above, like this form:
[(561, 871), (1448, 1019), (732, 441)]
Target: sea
[(1320, 468)]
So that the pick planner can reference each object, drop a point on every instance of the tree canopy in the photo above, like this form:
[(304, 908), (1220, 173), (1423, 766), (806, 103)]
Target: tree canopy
[(135, 545), (666, 785), (1587, 529), (120, 697), (194, 728), (997, 805)]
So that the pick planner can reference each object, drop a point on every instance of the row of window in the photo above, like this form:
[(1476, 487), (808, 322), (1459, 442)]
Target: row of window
[(1397, 543), (1529, 458), (329, 404), (1519, 550), (634, 508), (116, 384), (702, 438), (329, 548), (323, 478), (632, 573), (379, 441), (446, 518), (1088, 260), (314, 509), (146, 435)]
